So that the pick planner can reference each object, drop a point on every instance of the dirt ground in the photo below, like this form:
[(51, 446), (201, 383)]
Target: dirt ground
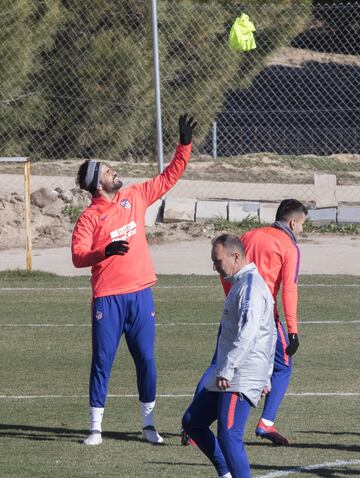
[(53, 216), (319, 255), (181, 248), (52, 212)]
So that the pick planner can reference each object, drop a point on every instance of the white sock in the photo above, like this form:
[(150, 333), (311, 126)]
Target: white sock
[(268, 423), (96, 416), (228, 475), (147, 413)]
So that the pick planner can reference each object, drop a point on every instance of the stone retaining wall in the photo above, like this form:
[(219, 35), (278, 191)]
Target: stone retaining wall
[(176, 210)]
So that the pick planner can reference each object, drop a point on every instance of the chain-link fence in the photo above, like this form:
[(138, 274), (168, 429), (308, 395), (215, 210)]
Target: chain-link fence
[(77, 82)]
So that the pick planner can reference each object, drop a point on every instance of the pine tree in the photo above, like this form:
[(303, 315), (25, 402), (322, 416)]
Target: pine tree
[(26, 28), (198, 67), (77, 77), (98, 79)]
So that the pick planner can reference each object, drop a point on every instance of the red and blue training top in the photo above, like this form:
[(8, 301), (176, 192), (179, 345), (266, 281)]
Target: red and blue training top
[(122, 218), (277, 258)]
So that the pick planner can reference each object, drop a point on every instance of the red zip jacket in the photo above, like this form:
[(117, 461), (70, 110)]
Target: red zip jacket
[(123, 218), (277, 258)]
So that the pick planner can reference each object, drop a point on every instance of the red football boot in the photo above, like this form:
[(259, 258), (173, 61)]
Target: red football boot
[(186, 440), (270, 433)]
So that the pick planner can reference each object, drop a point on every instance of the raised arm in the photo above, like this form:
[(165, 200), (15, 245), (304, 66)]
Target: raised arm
[(154, 188)]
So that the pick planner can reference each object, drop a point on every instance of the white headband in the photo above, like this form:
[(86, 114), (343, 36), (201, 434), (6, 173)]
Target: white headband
[(92, 175)]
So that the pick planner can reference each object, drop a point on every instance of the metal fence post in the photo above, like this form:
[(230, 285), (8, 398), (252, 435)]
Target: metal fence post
[(214, 140), (159, 142)]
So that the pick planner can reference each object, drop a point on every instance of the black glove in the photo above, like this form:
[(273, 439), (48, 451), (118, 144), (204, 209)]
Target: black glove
[(186, 127), (293, 344), (116, 248)]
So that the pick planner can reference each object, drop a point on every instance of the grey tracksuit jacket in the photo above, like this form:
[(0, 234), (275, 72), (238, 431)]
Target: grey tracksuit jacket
[(246, 344)]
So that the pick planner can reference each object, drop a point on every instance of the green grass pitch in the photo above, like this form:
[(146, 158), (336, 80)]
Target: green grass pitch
[(45, 353)]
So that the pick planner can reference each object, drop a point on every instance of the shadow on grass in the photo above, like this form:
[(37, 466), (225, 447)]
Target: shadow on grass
[(318, 432), (319, 446), (38, 433), (325, 472), (329, 472), (180, 463)]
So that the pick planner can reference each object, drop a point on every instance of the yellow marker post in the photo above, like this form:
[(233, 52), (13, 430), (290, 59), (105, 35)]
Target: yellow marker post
[(28, 216)]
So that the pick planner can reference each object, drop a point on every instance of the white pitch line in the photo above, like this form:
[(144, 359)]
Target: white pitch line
[(306, 469), (44, 325), (16, 289), (216, 286), (323, 394), (329, 285), (186, 324), (305, 322), (168, 395), (32, 397), (19, 289)]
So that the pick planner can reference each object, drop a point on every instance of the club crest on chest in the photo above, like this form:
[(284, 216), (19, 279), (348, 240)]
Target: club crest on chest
[(125, 203)]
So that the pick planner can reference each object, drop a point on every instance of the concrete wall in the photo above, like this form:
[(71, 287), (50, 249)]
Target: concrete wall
[(236, 211)]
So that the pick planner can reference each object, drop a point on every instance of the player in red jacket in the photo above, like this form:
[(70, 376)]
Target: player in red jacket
[(110, 237), (276, 253)]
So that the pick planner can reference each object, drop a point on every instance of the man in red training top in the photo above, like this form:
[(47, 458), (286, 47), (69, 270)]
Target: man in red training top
[(276, 254), (110, 237)]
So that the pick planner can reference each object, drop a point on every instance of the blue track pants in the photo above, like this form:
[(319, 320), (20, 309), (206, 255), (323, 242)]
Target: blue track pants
[(134, 315), (280, 378), (231, 410)]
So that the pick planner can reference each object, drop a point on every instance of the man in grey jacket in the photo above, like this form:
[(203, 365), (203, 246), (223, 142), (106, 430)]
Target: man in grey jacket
[(244, 356)]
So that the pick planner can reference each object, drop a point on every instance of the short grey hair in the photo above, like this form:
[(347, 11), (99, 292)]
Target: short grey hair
[(231, 243)]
